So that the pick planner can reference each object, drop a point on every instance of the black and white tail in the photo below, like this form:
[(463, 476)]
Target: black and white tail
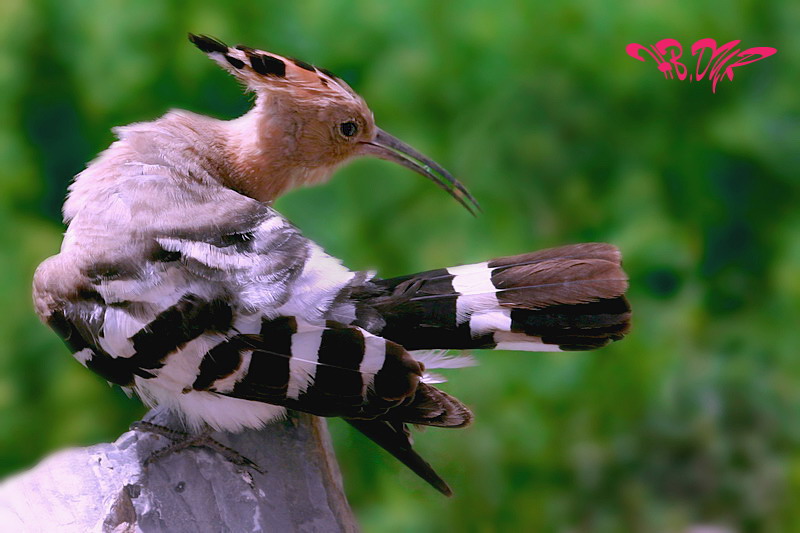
[(566, 298)]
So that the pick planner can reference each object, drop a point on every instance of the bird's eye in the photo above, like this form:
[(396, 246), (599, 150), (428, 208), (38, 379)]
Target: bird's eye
[(348, 128)]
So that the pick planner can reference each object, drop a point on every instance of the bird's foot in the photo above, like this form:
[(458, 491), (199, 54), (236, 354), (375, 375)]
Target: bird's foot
[(182, 440)]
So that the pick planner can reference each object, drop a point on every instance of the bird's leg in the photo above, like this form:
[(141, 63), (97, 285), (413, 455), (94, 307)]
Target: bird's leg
[(182, 440)]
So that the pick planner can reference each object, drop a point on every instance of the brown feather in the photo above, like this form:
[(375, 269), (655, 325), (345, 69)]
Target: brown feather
[(586, 250), (433, 407), (559, 281)]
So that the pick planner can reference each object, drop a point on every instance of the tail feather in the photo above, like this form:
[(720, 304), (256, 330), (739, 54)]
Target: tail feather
[(433, 407), (429, 407), (394, 438), (586, 250), (566, 298)]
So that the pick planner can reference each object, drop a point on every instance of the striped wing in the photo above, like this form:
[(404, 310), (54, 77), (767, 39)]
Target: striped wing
[(336, 370), (331, 370)]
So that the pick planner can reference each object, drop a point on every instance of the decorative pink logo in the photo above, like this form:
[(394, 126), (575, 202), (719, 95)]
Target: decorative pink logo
[(717, 59)]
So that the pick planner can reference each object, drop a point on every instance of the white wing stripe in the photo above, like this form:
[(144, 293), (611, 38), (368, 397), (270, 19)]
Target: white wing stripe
[(303, 364), (474, 283), (374, 356)]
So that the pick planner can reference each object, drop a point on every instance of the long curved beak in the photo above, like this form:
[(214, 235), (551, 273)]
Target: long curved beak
[(390, 148)]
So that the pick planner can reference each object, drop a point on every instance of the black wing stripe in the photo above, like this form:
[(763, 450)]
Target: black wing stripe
[(269, 363), (425, 316), (219, 362), (339, 359), (189, 318), (576, 327)]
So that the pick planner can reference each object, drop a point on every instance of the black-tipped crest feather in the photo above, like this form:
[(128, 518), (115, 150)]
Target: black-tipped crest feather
[(208, 44)]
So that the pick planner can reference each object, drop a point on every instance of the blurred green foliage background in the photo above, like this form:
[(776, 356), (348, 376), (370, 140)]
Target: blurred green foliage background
[(693, 419)]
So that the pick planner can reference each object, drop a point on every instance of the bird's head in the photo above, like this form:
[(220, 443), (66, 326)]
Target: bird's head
[(305, 123)]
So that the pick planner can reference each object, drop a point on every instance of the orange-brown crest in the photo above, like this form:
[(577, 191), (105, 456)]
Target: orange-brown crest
[(263, 71)]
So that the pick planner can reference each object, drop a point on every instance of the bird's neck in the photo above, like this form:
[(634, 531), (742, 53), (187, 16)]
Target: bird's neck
[(261, 154)]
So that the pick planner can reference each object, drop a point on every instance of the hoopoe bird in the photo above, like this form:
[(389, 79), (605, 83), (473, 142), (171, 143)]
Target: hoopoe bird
[(178, 281)]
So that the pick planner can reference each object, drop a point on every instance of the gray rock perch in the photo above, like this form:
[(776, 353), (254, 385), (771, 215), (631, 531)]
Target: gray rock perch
[(105, 488)]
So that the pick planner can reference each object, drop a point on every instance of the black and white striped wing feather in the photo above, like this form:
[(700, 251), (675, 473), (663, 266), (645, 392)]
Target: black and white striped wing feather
[(329, 370)]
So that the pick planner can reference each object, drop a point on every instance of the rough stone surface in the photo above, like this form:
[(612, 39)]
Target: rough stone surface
[(105, 488)]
